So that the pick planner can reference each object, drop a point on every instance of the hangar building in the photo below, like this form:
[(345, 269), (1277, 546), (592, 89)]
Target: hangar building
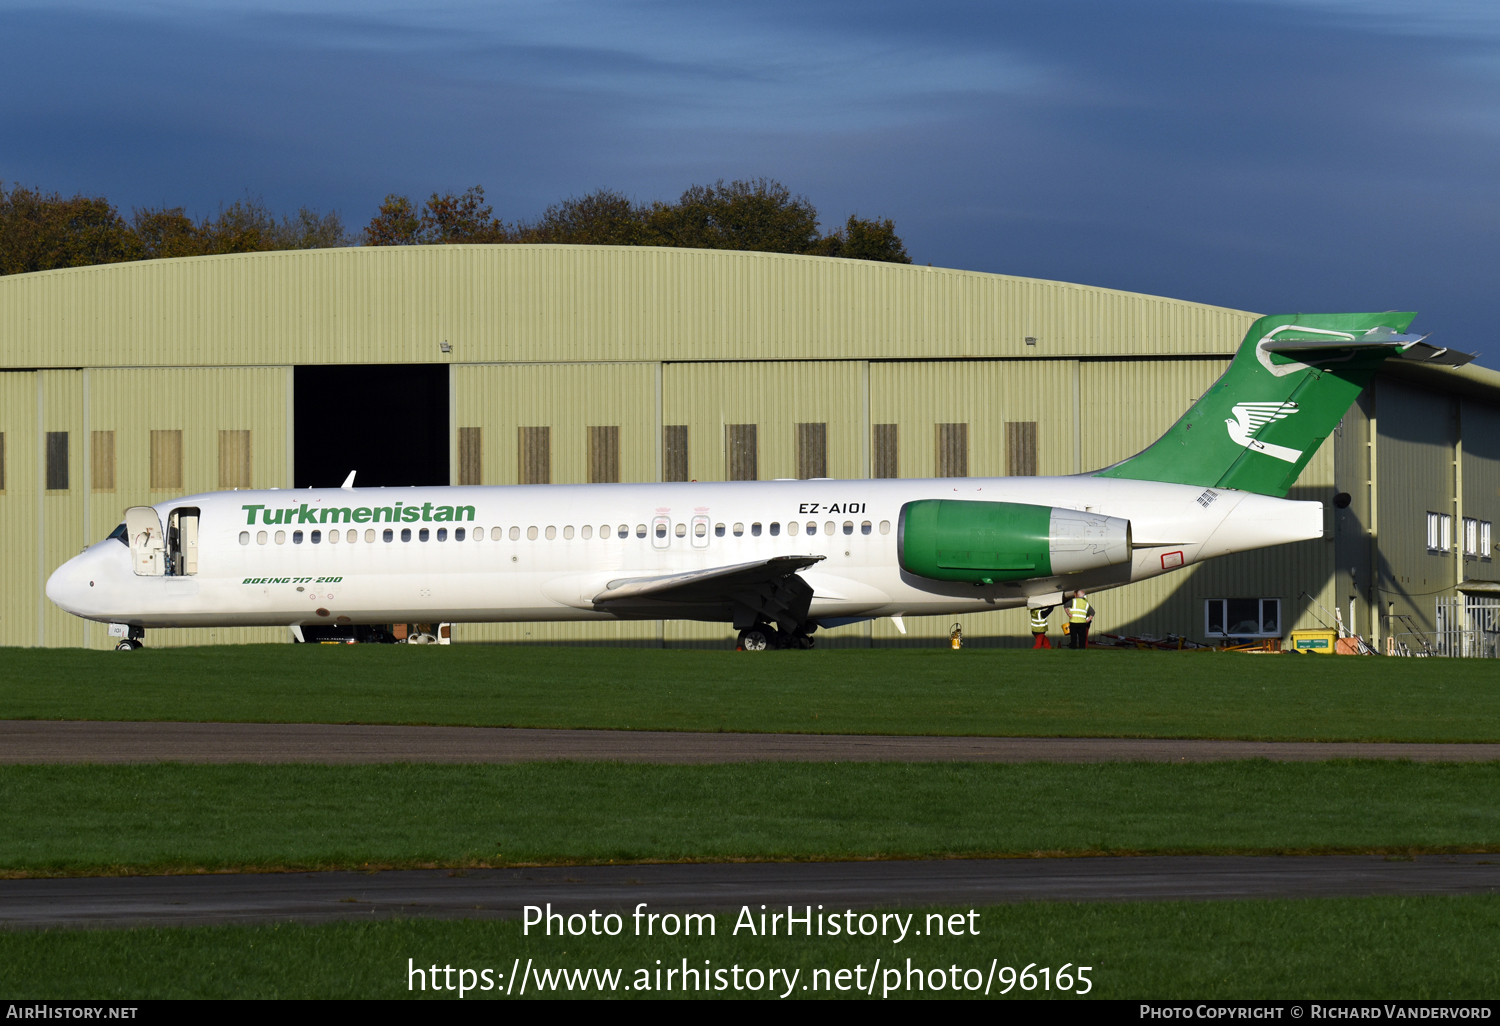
[(127, 384)]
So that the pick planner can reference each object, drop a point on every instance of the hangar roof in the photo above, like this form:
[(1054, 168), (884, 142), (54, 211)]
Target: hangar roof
[(572, 303), (525, 304)]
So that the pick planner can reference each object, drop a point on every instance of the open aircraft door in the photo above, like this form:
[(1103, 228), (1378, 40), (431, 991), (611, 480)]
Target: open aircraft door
[(148, 548)]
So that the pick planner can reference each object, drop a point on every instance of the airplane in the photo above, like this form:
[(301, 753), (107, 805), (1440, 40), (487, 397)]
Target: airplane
[(776, 559)]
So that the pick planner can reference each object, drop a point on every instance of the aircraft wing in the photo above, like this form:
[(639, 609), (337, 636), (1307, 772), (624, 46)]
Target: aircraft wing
[(765, 589)]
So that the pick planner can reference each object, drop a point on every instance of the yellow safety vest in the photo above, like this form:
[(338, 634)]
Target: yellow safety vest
[(1078, 610), (1039, 621)]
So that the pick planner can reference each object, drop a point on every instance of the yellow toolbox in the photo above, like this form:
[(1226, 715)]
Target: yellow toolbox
[(1318, 641)]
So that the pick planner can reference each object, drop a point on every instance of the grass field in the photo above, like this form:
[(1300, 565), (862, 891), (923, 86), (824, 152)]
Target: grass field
[(155, 818), (1325, 948), (893, 691)]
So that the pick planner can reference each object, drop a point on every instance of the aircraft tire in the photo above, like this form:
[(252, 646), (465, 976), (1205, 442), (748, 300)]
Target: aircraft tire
[(125, 646), (753, 639)]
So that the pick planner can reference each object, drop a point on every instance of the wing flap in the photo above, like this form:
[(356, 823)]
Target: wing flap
[(701, 585)]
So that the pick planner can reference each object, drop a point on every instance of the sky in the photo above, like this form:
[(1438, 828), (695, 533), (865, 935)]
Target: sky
[(1267, 155)]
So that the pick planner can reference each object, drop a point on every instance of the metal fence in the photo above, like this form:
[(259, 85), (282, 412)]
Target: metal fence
[(1468, 626)]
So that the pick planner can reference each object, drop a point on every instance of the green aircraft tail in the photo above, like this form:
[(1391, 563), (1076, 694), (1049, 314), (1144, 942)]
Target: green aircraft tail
[(1293, 379)]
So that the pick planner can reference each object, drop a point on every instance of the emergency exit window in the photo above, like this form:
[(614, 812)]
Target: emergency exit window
[(1242, 618)]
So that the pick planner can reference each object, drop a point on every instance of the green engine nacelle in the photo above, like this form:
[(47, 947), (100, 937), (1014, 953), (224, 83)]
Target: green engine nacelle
[(990, 542)]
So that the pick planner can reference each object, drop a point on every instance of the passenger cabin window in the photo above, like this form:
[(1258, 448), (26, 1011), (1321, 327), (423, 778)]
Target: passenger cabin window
[(442, 533), (388, 535), (775, 528), (640, 530), (812, 527), (680, 530), (280, 537), (244, 537), (792, 528), (755, 530), (316, 537), (739, 530), (885, 527), (406, 534), (718, 530), (551, 532), (458, 534), (422, 535), (296, 537)]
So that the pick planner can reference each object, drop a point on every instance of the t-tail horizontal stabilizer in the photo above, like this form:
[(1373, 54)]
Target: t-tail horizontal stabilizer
[(1291, 382)]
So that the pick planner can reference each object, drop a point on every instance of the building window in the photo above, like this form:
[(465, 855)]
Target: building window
[(234, 460), (1471, 536), (741, 455), (604, 455), (102, 461), (812, 450), (674, 452), (57, 461), (469, 452), (534, 457), (883, 451), (166, 460), (1242, 618), (1020, 448), (1439, 532), (1484, 537), (952, 450)]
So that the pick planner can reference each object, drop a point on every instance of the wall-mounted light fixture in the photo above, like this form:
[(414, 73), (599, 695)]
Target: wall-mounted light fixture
[(1031, 340), (445, 347)]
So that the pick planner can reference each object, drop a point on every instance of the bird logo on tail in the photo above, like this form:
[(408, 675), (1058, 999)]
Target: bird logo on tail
[(1251, 417)]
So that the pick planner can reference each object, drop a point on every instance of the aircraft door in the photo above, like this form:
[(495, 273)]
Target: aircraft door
[(699, 532), (182, 541), (148, 550)]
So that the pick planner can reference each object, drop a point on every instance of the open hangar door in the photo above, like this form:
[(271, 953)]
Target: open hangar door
[(389, 422)]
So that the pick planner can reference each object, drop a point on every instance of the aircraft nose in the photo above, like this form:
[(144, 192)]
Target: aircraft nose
[(68, 587)]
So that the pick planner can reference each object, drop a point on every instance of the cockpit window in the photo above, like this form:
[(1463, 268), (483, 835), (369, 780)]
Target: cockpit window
[(120, 535)]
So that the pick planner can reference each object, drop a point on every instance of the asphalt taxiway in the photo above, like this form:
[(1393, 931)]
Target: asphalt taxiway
[(501, 893)]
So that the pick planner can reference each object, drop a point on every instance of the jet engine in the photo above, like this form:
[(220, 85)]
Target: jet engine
[(991, 542)]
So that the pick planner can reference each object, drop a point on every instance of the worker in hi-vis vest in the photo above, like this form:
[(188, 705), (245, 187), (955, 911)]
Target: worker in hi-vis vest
[(1080, 615), (1039, 627)]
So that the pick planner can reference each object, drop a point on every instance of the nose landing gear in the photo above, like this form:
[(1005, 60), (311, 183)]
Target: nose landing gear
[(130, 637)]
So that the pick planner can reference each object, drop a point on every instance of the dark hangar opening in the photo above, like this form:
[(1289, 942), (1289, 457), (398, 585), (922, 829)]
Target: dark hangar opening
[(387, 421)]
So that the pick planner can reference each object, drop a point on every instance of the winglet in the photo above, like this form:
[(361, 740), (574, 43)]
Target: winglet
[(348, 484)]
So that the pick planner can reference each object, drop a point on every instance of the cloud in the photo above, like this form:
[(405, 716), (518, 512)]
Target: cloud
[(1264, 154)]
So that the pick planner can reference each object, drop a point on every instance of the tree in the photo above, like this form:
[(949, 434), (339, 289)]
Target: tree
[(760, 214), (444, 218), (42, 231), (864, 240), (602, 218), (397, 223)]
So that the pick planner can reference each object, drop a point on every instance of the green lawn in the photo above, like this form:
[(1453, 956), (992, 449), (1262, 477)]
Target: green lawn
[(154, 818), (896, 691), (1323, 948)]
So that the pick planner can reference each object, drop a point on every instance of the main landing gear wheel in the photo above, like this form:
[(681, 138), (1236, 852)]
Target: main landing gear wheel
[(753, 640), (128, 646)]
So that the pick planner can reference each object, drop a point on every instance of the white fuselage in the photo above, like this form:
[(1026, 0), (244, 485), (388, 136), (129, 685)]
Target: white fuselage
[(539, 552)]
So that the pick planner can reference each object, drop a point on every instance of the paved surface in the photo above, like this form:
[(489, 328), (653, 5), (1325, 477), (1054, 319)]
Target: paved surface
[(501, 893), (49, 741)]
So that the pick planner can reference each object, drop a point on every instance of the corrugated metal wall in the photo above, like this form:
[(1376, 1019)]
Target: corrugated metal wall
[(1414, 476), (56, 524), (497, 304), (22, 603), (1481, 437)]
